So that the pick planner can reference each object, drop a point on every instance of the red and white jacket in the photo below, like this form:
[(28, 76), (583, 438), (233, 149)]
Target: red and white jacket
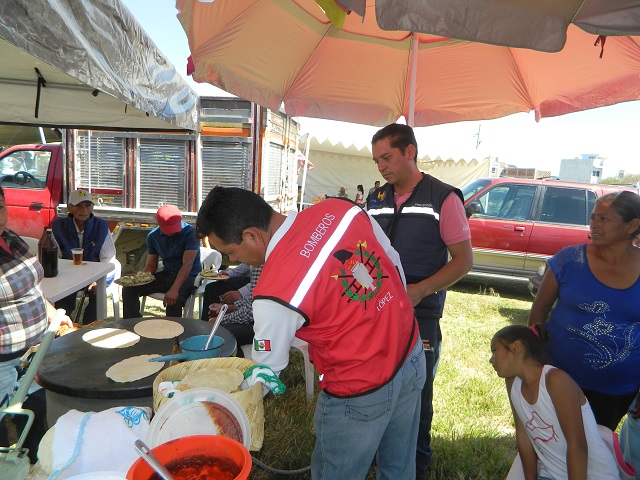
[(331, 269)]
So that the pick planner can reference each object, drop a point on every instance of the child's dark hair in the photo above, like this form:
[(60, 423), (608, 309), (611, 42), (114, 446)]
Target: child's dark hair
[(533, 338)]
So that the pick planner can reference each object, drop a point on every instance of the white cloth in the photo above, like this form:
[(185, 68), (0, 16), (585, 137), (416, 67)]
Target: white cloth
[(168, 389), (264, 375), (543, 428), (94, 442)]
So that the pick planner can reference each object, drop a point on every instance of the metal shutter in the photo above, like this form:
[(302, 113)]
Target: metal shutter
[(226, 163), (104, 167), (163, 173), (274, 178)]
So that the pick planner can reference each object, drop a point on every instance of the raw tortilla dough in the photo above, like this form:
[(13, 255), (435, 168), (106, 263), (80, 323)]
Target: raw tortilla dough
[(134, 368), (158, 329), (111, 338)]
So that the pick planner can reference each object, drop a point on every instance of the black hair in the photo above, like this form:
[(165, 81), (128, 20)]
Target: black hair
[(227, 212), (626, 204), (533, 338), (400, 136), (361, 188), (2, 192)]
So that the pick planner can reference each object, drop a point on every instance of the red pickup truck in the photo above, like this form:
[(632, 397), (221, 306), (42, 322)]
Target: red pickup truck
[(31, 176)]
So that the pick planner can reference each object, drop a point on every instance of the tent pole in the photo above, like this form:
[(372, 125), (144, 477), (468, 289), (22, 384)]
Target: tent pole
[(412, 79), (304, 171)]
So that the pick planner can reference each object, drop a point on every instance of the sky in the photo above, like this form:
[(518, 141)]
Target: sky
[(611, 132)]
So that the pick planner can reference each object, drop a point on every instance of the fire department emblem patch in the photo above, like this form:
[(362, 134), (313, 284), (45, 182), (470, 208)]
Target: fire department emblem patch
[(361, 275)]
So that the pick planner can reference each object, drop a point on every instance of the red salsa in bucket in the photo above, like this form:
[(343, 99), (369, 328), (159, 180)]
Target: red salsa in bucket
[(201, 467)]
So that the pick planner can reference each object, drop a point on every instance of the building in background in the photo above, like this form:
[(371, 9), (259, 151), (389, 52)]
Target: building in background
[(586, 168)]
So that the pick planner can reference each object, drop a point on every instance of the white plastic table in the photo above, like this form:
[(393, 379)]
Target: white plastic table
[(72, 278)]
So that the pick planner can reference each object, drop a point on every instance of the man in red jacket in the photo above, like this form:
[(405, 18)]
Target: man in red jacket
[(331, 278)]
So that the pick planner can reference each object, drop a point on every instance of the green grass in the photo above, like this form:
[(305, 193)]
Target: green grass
[(473, 435)]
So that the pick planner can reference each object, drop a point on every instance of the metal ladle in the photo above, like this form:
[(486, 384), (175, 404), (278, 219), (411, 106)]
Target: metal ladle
[(152, 460), (223, 310)]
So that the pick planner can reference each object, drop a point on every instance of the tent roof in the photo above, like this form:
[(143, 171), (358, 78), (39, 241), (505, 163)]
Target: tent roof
[(337, 146), (97, 66), (341, 148)]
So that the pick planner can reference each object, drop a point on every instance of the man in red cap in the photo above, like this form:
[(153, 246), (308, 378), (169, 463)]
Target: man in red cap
[(174, 242)]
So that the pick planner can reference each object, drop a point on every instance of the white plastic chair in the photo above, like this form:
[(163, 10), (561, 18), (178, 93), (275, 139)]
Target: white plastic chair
[(113, 290), (309, 370), (210, 259)]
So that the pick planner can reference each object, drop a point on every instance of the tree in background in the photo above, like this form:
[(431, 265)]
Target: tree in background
[(628, 179)]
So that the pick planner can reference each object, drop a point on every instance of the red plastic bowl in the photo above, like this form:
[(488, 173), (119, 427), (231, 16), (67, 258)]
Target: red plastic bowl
[(182, 448)]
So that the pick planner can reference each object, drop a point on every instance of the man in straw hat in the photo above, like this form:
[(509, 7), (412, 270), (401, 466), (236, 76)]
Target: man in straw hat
[(82, 229)]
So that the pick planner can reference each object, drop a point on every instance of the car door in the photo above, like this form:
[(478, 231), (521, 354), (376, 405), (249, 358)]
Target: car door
[(26, 176), (562, 220), (501, 227)]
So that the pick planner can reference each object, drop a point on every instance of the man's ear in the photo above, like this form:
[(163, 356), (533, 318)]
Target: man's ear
[(250, 234), (410, 150)]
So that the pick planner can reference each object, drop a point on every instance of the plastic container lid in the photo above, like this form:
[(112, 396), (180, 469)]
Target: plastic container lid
[(185, 415), (99, 476)]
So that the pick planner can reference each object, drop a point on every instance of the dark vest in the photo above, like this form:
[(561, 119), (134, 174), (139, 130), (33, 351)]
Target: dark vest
[(95, 232), (414, 232)]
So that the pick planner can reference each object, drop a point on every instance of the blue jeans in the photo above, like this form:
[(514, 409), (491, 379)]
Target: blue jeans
[(8, 380), (350, 432), (429, 331)]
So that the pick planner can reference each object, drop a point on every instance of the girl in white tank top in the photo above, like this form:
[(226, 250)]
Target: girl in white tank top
[(556, 431)]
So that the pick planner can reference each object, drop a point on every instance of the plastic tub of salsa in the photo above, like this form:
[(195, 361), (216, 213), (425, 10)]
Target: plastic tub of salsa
[(201, 457)]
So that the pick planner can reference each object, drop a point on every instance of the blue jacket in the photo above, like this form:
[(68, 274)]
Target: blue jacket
[(95, 233)]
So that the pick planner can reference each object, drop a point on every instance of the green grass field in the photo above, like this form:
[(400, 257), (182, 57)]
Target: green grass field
[(473, 435), (473, 429)]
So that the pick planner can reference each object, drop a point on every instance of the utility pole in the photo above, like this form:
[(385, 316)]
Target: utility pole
[(477, 135)]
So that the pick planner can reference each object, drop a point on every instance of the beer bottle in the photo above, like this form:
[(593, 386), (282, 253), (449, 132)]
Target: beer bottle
[(48, 253)]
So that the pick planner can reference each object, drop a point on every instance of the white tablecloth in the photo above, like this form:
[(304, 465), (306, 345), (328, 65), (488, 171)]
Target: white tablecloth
[(72, 278)]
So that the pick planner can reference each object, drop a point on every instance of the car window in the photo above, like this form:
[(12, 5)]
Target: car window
[(25, 169), (507, 201), (571, 206), (474, 187)]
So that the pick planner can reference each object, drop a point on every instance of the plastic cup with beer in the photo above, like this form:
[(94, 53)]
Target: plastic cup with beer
[(77, 255)]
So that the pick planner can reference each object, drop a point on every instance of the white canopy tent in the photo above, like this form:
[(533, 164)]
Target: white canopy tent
[(337, 165), (86, 63)]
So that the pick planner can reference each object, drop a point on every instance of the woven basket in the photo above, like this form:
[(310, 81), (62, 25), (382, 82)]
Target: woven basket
[(250, 399)]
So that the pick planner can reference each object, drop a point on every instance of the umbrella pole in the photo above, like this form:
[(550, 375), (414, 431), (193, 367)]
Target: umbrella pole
[(412, 79)]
